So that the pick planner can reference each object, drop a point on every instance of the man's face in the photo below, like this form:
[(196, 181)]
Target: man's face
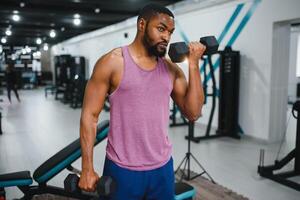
[(157, 34)]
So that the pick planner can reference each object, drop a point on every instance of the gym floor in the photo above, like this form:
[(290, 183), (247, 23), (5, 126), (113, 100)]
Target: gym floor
[(38, 127)]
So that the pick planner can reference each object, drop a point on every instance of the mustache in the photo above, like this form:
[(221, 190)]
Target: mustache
[(162, 43)]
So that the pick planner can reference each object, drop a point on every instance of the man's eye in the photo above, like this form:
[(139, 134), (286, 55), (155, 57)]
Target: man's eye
[(160, 29)]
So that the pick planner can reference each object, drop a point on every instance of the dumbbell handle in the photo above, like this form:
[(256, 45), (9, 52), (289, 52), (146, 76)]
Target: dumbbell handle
[(101, 189), (75, 179)]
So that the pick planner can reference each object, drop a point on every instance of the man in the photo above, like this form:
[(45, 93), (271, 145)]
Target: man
[(139, 82), (11, 81)]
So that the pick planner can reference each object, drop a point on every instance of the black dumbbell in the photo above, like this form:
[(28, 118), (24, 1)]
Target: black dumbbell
[(179, 50), (105, 186)]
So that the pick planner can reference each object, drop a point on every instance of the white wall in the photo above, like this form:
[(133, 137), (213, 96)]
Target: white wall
[(200, 19)]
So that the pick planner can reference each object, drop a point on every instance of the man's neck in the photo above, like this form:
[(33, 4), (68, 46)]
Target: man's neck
[(140, 51)]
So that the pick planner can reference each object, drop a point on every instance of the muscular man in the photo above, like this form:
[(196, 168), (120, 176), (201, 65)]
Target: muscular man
[(139, 82)]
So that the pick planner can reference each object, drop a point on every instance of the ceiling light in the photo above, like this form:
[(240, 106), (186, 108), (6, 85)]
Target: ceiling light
[(16, 17), (76, 16), (38, 41), (52, 24), (38, 54), (77, 22), (97, 10), (45, 47), (22, 4), (62, 29), (3, 40), (15, 12), (52, 34), (8, 32)]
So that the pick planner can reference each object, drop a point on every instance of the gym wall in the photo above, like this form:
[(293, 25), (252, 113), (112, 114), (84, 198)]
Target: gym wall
[(263, 83)]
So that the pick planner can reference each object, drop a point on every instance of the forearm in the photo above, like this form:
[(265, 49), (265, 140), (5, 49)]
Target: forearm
[(88, 125), (194, 97)]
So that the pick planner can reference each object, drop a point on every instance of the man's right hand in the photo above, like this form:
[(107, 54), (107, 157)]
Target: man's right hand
[(88, 181)]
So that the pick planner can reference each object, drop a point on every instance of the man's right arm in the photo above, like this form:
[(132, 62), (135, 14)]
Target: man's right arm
[(94, 97)]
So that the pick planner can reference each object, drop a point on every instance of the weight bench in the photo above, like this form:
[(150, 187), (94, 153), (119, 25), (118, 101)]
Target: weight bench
[(57, 163)]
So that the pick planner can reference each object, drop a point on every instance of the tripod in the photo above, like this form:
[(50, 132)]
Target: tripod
[(187, 162)]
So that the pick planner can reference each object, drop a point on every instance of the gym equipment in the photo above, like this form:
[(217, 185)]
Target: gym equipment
[(179, 50), (229, 93), (62, 68), (184, 191), (77, 81), (105, 185), (70, 79), (63, 160), (49, 169), (283, 178), (1, 123), (228, 96)]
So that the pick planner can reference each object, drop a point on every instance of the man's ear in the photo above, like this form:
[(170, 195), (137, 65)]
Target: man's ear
[(142, 25)]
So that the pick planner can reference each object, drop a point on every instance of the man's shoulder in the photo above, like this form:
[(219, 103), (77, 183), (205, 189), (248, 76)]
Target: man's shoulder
[(112, 55), (172, 67), (112, 58), (116, 52), (109, 62)]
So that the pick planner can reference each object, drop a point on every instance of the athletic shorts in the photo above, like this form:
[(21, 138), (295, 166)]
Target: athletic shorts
[(156, 184)]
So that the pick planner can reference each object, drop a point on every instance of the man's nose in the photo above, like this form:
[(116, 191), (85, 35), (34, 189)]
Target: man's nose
[(166, 37)]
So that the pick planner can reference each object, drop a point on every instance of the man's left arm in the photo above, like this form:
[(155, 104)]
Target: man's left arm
[(189, 96)]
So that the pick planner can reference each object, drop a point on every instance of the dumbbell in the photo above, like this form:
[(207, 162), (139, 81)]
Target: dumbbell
[(179, 50), (105, 186)]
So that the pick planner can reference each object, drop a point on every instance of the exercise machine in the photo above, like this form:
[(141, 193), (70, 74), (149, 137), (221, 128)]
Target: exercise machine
[(49, 169), (283, 177), (228, 95)]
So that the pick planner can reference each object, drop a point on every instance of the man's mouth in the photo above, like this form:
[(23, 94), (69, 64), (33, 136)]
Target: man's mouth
[(163, 45)]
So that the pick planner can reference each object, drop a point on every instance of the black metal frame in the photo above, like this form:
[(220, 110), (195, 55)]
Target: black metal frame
[(1, 123), (282, 178), (30, 190), (213, 96)]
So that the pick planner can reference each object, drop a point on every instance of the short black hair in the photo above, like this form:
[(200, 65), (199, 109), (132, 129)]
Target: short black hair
[(151, 10)]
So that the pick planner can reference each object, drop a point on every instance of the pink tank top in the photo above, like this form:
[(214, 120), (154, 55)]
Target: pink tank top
[(139, 117)]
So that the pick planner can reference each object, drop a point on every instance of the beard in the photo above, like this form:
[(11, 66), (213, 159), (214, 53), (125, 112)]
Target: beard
[(153, 49)]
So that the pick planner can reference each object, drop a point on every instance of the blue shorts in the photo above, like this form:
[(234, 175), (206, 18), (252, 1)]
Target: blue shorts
[(156, 184)]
